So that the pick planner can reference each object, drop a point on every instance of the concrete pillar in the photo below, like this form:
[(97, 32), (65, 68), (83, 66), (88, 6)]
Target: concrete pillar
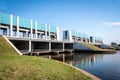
[(70, 63), (36, 29), (64, 37), (46, 31), (49, 31), (49, 56), (94, 42), (17, 26), (24, 34), (49, 46), (57, 34), (40, 36), (63, 46), (81, 39), (11, 25), (63, 57), (29, 45), (70, 35), (7, 32), (86, 40), (4, 32), (31, 34)]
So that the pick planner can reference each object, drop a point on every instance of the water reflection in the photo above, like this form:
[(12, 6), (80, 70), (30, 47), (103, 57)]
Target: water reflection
[(86, 60), (63, 57), (77, 59)]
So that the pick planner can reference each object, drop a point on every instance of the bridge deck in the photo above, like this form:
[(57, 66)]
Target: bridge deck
[(38, 51), (37, 40)]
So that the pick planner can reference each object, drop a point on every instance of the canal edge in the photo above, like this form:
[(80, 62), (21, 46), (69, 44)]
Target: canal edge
[(84, 72)]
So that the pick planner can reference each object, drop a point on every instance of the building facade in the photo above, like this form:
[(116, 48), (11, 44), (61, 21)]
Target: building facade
[(69, 35), (14, 26), (96, 40)]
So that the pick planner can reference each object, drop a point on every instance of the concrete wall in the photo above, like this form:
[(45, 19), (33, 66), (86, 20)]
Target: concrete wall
[(40, 45), (79, 47), (21, 45), (68, 45), (56, 46)]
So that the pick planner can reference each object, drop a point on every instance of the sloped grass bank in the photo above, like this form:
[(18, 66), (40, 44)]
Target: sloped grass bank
[(94, 48), (36, 68), (5, 48)]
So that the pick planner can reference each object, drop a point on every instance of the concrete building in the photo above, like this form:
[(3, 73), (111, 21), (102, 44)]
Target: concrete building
[(30, 36), (96, 40), (69, 35), (34, 37), (14, 26)]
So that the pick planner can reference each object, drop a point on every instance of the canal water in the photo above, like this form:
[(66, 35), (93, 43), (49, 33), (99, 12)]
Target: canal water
[(102, 65)]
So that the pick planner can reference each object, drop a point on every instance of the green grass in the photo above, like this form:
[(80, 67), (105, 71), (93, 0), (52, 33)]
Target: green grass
[(5, 48), (36, 68), (92, 47), (14, 67)]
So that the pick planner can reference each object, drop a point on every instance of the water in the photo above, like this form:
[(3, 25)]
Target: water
[(104, 66)]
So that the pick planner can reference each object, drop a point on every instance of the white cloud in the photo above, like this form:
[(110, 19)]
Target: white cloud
[(112, 23), (112, 38), (114, 34), (117, 30)]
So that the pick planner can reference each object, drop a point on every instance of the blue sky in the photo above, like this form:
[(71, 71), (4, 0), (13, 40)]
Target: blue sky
[(99, 18)]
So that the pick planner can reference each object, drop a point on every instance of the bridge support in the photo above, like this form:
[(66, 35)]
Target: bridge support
[(49, 46), (30, 46), (37, 47)]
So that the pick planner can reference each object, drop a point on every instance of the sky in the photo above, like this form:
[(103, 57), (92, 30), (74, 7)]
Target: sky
[(100, 18)]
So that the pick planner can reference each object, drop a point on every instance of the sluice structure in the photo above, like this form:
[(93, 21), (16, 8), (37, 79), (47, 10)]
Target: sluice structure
[(33, 37)]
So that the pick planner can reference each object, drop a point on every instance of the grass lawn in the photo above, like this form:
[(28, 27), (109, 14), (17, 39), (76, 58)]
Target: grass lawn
[(36, 68), (92, 47)]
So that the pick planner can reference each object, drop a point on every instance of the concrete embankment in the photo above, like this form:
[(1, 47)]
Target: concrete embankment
[(89, 48)]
